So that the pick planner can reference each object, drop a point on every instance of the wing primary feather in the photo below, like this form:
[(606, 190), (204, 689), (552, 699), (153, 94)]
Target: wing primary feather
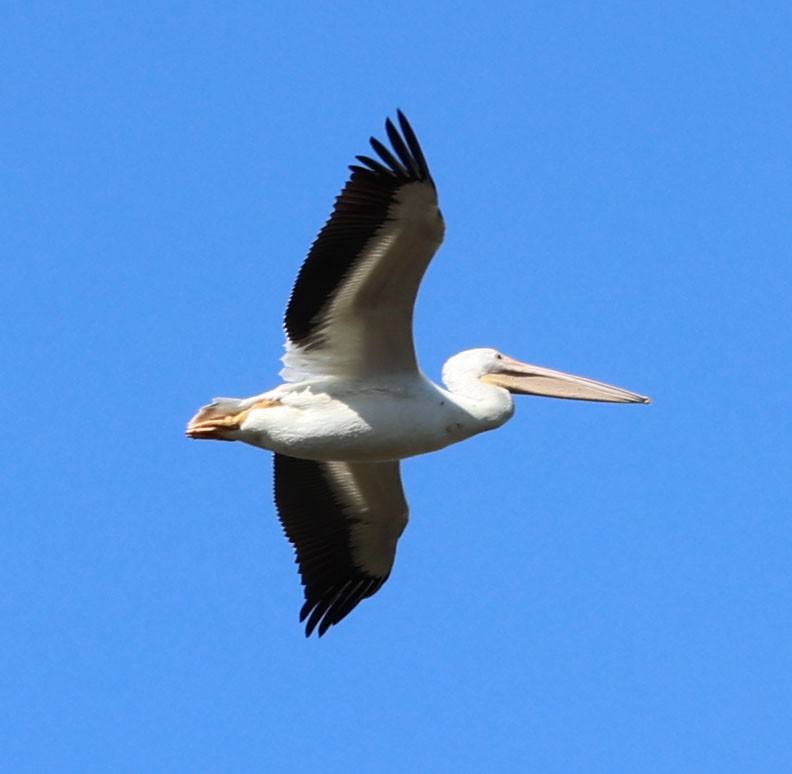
[(372, 165), (394, 164), (343, 604), (320, 610), (402, 151), (415, 147)]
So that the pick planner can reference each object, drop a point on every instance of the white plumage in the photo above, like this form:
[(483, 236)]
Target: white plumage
[(354, 401)]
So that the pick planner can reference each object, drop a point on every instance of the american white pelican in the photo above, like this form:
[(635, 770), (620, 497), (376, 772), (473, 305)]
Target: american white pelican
[(354, 401)]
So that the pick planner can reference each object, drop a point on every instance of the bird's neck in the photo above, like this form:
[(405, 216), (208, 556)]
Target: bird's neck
[(488, 406)]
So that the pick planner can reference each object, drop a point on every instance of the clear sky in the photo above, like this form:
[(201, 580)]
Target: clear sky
[(591, 588)]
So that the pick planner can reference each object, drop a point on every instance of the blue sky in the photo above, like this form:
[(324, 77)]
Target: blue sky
[(592, 588)]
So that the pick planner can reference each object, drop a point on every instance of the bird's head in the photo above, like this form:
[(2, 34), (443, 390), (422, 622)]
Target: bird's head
[(499, 370)]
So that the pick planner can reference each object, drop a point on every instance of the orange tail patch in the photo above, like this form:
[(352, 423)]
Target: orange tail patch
[(212, 422)]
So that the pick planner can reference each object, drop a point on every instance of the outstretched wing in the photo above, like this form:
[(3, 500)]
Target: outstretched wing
[(344, 520), (351, 308)]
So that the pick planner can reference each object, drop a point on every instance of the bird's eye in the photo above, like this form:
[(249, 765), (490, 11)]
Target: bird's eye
[(498, 356)]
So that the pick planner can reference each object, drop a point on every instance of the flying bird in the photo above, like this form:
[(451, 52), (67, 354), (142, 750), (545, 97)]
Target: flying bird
[(353, 401)]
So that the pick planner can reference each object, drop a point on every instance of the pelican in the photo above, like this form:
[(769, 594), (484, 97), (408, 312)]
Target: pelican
[(353, 401)]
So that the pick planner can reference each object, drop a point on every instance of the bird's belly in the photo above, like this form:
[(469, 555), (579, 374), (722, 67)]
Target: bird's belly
[(372, 429)]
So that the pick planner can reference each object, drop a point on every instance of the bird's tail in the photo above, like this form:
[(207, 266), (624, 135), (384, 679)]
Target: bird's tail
[(215, 421)]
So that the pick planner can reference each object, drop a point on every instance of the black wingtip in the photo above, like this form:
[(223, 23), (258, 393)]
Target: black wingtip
[(413, 144), (404, 160)]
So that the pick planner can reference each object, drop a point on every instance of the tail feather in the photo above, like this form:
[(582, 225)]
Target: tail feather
[(220, 420), (212, 422)]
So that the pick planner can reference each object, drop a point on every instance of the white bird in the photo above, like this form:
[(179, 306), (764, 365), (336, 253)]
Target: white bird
[(354, 401)]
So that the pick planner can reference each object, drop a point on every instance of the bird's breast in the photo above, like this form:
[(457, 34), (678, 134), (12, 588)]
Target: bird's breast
[(367, 426)]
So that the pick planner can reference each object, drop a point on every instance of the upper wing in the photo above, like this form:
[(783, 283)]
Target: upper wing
[(350, 311), (344, 520)]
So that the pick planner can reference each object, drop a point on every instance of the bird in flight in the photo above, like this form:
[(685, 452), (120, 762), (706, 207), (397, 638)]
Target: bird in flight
[(353, 401)]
